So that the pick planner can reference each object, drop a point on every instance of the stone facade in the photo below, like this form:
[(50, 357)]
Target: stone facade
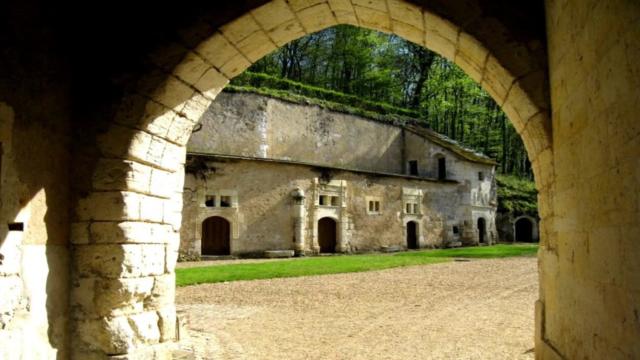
[(121, 101), (307, 163)]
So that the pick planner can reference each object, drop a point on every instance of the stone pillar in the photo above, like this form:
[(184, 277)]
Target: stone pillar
[(300, 218)]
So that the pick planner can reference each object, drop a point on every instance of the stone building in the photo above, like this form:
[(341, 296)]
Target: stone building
[(96, 110), (323, 181)]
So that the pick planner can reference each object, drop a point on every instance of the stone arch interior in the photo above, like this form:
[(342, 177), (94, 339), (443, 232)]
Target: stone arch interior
[(176, 105), (524, 230), (216, 236), (327, 235)]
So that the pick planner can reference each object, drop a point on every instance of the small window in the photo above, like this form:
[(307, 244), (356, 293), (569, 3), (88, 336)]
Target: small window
[(225, 201), (335, 201), (411, 208), (374, 206), (323, 200), (413, 167), (442, 168), (456, 230), (481, 176), (210, 201)]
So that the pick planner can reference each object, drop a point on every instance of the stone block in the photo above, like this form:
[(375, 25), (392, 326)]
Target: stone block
[(407, 13), (235, 66), (297, 5), (344, 12), (520, 102), (111, 336), (164, 184), (497, 80), (191, 68), (408, 32), (129, 232), (167, 323), (240, 28), (217, 50), (172, 92), (286, 32), (256, 46), (273, 14), (121, 175), (116, 297), (434, 25), (379, 5), (163, 292), (276, 254), (316, 18), (471, 56), (440, 45), (211, 83), (115, 206), (119, 260), (373, 19)]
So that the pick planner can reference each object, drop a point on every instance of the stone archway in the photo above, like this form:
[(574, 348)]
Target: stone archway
[(525, 229), (126, 232), (216, 236)]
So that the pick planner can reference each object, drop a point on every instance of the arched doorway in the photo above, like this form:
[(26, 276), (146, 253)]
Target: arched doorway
[(327, 234), (412, 235), (482, 230), (524, 230), (216, 236)]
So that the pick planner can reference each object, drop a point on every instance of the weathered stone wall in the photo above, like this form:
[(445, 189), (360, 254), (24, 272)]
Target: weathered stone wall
[(264, 216), (590, 268), (34, 266), (258, 126)]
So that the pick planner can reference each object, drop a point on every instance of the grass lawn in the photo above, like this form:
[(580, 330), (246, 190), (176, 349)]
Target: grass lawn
[(342, 264)]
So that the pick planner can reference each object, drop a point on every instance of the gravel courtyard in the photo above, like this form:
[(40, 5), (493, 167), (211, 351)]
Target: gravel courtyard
[(480, 309)]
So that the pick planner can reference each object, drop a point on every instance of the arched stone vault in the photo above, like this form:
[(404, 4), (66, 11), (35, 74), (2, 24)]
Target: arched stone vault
[(126, 229)]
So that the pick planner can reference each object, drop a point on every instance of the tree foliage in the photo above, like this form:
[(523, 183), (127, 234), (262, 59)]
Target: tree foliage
[(379, 68)]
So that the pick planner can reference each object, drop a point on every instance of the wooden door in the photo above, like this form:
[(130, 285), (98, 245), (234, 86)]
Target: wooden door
[(216, 236), (327, 233)]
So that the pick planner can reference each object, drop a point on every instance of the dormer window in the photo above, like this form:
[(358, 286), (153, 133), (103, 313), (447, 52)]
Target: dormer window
[(210, 201), (413, 167)]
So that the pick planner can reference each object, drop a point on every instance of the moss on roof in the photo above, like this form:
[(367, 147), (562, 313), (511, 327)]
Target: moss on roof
[(390, 117)]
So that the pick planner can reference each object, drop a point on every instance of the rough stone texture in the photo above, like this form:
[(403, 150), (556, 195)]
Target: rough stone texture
[(590, 284), (81, 72), (263, 214)]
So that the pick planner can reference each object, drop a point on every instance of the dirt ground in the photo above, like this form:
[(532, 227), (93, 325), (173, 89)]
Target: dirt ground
[(481, 309)]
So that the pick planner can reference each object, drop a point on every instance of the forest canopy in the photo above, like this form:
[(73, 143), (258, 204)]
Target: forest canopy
[(369, 69)]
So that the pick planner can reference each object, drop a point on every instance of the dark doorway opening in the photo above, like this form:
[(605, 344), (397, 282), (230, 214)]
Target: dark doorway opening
[(216, 236), (442, 168), (413, 167), (412, 235), (524, 230), (327, 234), (482, 230)]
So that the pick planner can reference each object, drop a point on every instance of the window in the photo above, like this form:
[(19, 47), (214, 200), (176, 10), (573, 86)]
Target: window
[(442, 168), (225, 201), (335, 201), (210, 201), (411, 208), (413, 167), (323, 200), (456, 230), (374, 206), (480, 176)]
